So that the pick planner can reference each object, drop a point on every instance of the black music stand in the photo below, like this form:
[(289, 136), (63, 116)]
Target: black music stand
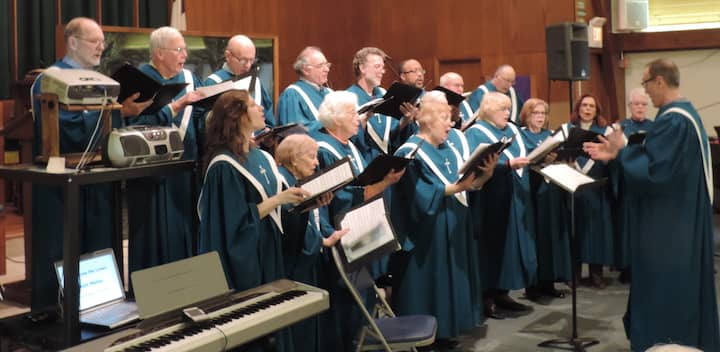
[(573, 343)]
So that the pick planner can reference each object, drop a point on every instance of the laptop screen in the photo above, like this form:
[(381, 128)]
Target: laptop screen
[(99, 279)]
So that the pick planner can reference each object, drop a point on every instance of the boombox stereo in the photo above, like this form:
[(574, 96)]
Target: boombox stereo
[(140, 145)]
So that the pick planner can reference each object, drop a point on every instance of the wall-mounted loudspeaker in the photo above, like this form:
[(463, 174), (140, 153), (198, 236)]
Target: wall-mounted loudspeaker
[(568, 56), (631, 15)]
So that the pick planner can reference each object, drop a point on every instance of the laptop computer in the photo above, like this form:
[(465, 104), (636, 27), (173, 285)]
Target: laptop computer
[(102, 293)]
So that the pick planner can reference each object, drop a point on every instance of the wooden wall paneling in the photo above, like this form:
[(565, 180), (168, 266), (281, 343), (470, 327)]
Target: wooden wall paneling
[(659, 41), (466, 67)]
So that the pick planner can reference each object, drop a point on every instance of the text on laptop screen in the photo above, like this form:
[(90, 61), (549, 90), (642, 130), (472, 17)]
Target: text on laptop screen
[(99, 280)]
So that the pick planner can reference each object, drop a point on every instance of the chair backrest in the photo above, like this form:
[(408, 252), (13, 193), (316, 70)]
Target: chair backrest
[(358, 281)]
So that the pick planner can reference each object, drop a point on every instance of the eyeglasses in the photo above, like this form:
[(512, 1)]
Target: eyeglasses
[(321, 65), (244, 60), (420, 71), (539, 113), (95, 42), (178, 50), (510, 81), (645, 82)]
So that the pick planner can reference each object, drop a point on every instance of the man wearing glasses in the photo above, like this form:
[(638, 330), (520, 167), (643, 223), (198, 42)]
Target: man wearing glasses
[(239, 60), (84, 45), (160, 209), (672, 291), (300, 101), (503, 81), (412, 73)]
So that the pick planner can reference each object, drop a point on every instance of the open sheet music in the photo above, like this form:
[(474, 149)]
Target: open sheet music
[(212, 93), (480, 154), (132, 81), (546, 147), (330, 179), (566, 176), (371, 105), (371, 234)]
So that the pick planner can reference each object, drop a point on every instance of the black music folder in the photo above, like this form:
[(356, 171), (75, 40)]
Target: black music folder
[(213, 92), (395, 96), (330, 179), (572, 147), (132, 80), (637, 138), (280, 132), (379, 167), (371, 234), (480, 154), (453, 98)]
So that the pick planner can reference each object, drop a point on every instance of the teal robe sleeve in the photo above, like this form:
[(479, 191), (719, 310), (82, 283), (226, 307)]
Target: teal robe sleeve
[(230, 225), (292, 109)]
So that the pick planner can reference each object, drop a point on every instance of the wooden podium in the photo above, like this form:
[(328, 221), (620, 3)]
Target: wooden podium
[(50, 124)]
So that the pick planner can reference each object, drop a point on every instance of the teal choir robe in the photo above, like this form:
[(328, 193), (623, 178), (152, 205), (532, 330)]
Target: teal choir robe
[(552, 224), (299, 103), (262, 97), (672, 292), (250, 248), (342, 322), (624, 202), (593, 217), (441, 271), (516, 102), (75, 128), (505, 218), (302, 243), (160, 209), (466, 111), (380, 129)]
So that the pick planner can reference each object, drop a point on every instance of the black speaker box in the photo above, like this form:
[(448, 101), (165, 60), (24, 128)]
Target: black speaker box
[(568, 55)]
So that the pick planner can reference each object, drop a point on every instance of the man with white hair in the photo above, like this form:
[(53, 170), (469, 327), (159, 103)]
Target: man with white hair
[(454, 82), (160, 210), (239, 60), (503, 81), (84, 45), (300, 101)]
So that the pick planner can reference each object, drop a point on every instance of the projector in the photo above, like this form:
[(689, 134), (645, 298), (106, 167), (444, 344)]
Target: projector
[(77, 86), (141, 145)]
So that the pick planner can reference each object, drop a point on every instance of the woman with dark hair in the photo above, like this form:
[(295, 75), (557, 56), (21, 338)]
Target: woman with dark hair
[(592, 213), (239, 205), (550, 210)]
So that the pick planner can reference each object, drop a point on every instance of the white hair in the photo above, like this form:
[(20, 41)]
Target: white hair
[(160, 37), (637, 93), (335, 104)]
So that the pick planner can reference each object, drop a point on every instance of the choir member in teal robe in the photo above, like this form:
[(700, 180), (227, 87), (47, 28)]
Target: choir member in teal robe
[(433, 221), (160, 209), (302, 241), (625, 203), (340, 122), (300, 101), (454, 82), (241, 198), (502, 81), (593, 207), (552, 228), (239, 60), (84, 45), (505, 226), (672, 289)]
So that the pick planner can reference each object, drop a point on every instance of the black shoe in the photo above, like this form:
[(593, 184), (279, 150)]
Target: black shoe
[(551, 291), (507, 303), (624, 276), (492, 313)]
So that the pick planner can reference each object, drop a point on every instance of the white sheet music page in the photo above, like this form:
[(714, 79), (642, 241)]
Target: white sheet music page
[(215, 89), (329, 179), (565, 176), (369, 230), (545, 147)]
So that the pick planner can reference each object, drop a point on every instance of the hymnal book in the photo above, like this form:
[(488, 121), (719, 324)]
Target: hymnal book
[(567, 177), (637, 138), (132, 80), (371, 234), (371, 105), (547, 146), (480, 154), (452, 98), (379, 167), (395, 96), (280, 132), (329, 179), (213, 92)]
